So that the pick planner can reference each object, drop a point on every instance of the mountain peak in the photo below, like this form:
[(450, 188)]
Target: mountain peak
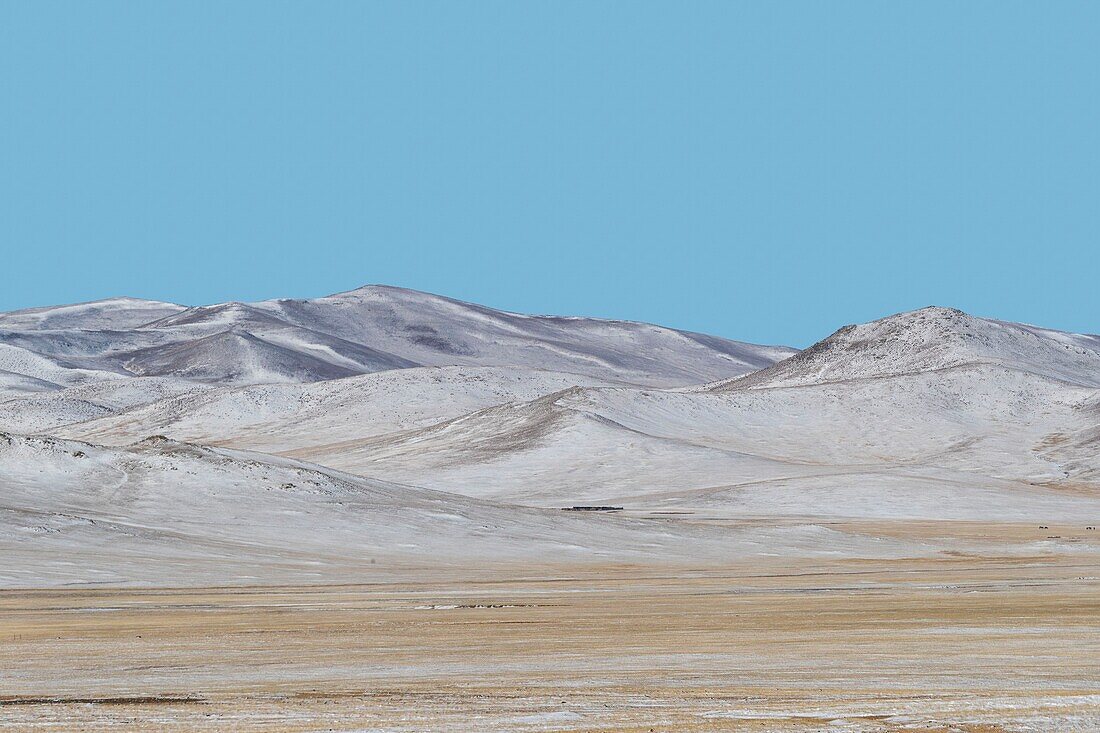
[(931, 339), (937, 310), (378, 290)]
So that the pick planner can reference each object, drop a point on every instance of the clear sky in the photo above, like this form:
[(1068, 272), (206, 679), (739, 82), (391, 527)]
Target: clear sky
[(766, 171)]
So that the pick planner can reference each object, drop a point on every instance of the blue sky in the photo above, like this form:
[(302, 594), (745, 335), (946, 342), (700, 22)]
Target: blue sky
[(765, 171)]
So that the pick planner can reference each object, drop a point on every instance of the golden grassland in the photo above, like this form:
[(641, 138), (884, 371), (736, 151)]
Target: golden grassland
[(966, 643)]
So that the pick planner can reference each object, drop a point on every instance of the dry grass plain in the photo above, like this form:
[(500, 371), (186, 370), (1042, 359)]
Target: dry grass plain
[(967, 642)]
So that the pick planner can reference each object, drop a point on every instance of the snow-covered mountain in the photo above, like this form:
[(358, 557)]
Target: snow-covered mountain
[(933, 339), (927, 414), (367, 330), (411, 414)]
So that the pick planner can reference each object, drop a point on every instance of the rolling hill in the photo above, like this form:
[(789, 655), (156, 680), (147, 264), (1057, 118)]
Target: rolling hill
[(304, 438)]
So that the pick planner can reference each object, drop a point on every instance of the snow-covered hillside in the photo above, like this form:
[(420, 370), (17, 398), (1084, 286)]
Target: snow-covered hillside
[(112, 314), (388, 424), (872, 451), (168, 512), (931, 339), (913, 407), (45, 411), (367, 330), (436, 331), (275, 417)]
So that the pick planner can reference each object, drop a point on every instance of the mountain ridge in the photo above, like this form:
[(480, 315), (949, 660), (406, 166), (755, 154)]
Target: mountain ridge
[(365, 330), (293, 438)]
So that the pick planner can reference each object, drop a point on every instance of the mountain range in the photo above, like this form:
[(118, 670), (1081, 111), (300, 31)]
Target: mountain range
[(383, 429)]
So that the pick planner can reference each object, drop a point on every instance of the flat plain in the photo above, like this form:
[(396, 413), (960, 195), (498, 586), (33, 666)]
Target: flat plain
[(975, 643)]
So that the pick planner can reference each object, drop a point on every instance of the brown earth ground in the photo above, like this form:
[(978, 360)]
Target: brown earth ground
[(969, 642)]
